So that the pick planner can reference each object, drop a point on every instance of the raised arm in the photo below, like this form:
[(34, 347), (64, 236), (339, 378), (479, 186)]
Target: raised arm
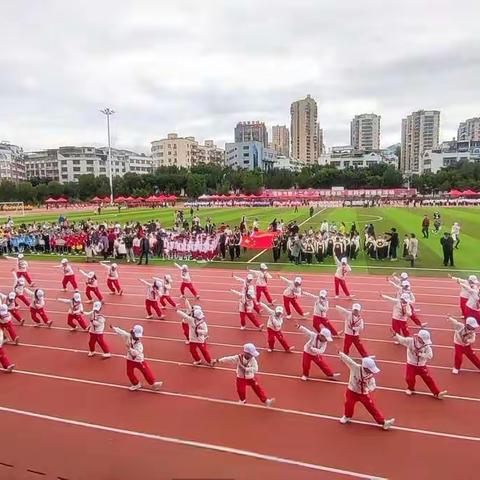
[(401, 339), (238, 278), (121, 332), (396, 285), (185, 316), (14, 276), (308, 294), (347, 360), (9, 258), (237, 292), (342, 309), (178, 266), (337, 261), (105, 264), (85, 274), (269, 310), (455, 322), (286, 280), (63, 300), (148, 284), (256, 272)]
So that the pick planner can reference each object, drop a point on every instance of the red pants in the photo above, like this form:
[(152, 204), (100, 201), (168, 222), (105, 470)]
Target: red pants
[(273, 335), (463, 304), (95, 291), (98, 338), (26, 276), (75, 317), (469, 312), (319, 322), (460, 351), (4, 361), (253, 383), (414, 317), (10, 329), (256, 307), (70, 279), (190, 286), (153, 305), (401, 327), (287, 301), (24, 299), (114, 285), (203, 348), (341, 283), (411, 373), (15, 314), (351, 398), (318, 360), (143, 367), (251, 316), (39, 315), (167, 298), (355, 339), (258, 292), (186, 330)]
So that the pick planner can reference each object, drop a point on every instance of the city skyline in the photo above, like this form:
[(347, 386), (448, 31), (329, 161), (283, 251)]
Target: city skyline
[(188, 68)]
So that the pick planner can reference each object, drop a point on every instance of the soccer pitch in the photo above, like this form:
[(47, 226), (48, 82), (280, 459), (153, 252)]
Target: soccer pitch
[(406, 220)]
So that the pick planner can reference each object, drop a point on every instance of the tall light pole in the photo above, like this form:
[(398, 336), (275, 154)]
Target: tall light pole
[(107, 112)]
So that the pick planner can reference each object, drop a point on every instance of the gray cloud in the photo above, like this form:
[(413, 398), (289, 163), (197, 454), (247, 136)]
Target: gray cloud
[(199, 67)]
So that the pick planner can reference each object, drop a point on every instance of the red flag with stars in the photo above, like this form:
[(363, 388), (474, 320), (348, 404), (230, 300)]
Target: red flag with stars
[(258, 240)]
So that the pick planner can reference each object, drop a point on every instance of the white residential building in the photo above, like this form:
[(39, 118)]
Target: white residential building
[(347, 156), (11, 162), (365, 132), (249, 156), (469, 129), (449, 154), (209, 153), (282, 162), (420, 132), (67, 164)]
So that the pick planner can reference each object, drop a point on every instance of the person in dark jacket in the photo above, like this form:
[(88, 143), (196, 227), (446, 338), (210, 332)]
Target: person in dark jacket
[(425, 226), (393, 238), (447, 245), (144, 250)]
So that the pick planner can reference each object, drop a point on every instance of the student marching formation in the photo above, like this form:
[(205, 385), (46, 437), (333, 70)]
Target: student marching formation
[(254, 298)]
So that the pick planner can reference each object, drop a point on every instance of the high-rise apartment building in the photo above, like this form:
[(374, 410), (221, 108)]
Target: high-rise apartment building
[(469, 130), (281, 140), (365, 132), (11, 162), (420, 132), (304, 131), (251, 132)]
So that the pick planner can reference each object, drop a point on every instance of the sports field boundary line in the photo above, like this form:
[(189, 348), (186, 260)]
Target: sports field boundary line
[(295, 352), (262, 407), (268, 374), (300, 225), (191, 443)]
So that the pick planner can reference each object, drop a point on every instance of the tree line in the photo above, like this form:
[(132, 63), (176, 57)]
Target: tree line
[(216, 179)]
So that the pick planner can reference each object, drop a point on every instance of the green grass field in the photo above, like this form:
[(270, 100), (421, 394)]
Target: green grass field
[(406, 220)]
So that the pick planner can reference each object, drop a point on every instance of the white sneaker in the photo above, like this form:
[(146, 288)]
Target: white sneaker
[(291, 349), (288, 316), (335, 375), (242, 402), (409, 392), (73, 329), (336, 296), (269, 402), (305, 314), (270, 350), (455, 371), (138, 386), (90, 354), (388, 423), (242, 327), (106, 355), (345, 420), (197, 362), (352, 296), (441, 395), (187, 342), (157, 386), (304, 378), (10, 368)]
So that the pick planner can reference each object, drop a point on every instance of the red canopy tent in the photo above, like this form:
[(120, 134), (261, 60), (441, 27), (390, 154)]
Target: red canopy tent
[(469, 192), (120, 199), (454, 192), (51, 200), (152, 199), (62, 200), (96, 200), (129, 199)]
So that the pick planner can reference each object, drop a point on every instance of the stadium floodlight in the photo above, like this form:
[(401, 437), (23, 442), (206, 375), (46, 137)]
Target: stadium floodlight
[(107, 112)]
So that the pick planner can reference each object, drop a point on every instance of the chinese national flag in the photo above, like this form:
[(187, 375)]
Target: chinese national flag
[(258, 240)]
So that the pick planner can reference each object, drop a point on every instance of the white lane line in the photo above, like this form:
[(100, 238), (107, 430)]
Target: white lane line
[(300, 225), (236, 404), (191, 443), (229, 345), (268, 374)]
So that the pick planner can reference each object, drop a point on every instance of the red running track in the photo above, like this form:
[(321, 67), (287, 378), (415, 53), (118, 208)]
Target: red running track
[(71, 417)]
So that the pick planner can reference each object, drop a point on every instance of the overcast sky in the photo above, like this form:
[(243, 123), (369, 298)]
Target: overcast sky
[(197, 67)]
